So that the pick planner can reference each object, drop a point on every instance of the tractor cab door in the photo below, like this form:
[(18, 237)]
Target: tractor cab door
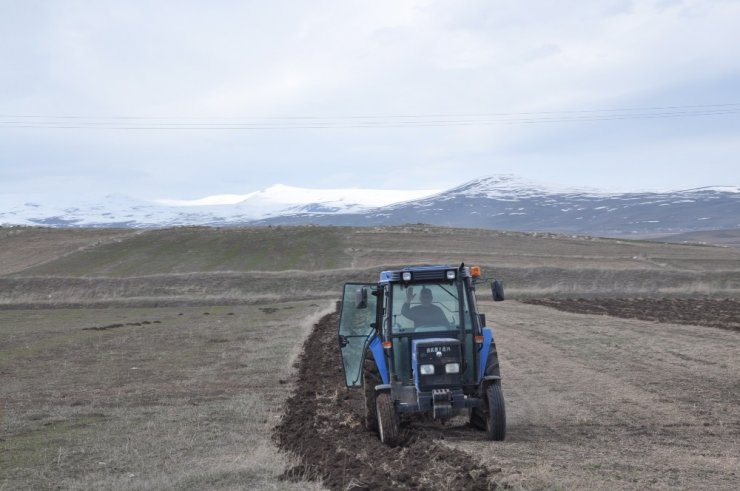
[(356, 328)]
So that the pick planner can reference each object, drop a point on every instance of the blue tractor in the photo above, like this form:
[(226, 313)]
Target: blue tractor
[(416, 344)]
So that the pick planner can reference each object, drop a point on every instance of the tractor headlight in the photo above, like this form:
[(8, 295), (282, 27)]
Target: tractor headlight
[(451, 274), (426, 369), (406, 276), (452, 368)]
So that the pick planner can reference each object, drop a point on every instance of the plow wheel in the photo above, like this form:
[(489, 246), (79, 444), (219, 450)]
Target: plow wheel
[(387, 420), (370, 378)]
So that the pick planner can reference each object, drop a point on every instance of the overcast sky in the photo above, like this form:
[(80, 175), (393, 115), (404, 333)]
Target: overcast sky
[(185, 99)]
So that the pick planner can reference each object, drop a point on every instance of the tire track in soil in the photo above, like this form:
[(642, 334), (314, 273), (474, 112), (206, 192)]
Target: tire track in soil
[(323, 426)]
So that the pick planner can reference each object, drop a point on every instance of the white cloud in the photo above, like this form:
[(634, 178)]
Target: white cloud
[(386, 58)]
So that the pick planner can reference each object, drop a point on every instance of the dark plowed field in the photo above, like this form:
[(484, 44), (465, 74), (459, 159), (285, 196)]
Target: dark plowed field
[(323, 426), (711, 312)]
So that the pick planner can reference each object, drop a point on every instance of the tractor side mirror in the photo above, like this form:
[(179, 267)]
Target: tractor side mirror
[(497, 290), (361, 298)]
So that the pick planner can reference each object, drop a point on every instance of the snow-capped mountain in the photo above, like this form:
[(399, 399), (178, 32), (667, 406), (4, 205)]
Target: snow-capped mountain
[(505, 202), (122, 211), (279, 198), (509, 203), (501, 202)]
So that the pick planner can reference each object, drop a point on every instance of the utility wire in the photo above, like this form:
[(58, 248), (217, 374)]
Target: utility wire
[(341, 122), (630, 109)]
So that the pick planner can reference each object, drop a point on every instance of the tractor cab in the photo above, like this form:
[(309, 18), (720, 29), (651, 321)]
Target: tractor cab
[(416, 336)]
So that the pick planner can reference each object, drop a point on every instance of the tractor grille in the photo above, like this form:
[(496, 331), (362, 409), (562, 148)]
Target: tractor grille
[(439, 355)]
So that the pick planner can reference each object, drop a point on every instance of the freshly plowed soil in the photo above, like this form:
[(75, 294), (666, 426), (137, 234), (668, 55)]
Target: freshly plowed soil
[(323, 425), (711, 312)]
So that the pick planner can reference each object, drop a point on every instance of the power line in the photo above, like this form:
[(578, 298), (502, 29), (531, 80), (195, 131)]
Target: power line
[(431, 115), (349, 122)]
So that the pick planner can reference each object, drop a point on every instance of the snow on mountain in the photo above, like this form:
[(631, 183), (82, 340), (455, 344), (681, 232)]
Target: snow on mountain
[(500, 202), (216, 200), (719, 189), (112, 210), (505, 187), (501, 186), (279, 197), (507, 202), (119, 210)]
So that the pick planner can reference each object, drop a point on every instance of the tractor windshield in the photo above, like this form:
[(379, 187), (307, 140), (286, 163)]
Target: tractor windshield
[(425, 307)]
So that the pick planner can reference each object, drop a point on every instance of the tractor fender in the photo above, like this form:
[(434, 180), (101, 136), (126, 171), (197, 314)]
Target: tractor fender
[(485, 348), (376, 348), (488, 380)]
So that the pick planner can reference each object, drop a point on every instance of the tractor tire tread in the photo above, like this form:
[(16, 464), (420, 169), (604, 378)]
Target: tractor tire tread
[(496, 414)]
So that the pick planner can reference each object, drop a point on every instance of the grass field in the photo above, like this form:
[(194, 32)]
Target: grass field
[(147, 398)]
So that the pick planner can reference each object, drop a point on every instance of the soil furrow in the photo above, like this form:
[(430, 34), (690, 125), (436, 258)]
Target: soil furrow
[(723, 313)]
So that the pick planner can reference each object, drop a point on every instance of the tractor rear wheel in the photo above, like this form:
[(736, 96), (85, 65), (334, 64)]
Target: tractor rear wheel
[(387, 420), (370, 378), (496, 417)]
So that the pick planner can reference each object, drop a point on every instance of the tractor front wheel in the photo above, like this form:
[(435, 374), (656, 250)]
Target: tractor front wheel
[(387, 420), (496, 417), (477, 418)]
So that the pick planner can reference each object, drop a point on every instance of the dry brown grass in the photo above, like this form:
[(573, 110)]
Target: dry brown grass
[(200, 265), (235, 287), (183, 400)]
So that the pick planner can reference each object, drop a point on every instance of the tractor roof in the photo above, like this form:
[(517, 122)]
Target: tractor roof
[(424, 272)]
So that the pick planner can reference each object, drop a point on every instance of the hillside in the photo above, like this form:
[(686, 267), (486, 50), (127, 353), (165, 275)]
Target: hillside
[(26, 247), (248, 264)]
